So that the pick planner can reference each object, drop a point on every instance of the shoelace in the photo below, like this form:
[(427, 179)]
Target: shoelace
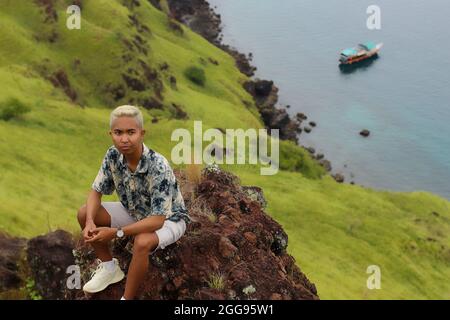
[(98, 269)]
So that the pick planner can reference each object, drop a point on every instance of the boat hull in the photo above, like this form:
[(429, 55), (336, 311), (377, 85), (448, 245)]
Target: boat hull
[(368, 55)]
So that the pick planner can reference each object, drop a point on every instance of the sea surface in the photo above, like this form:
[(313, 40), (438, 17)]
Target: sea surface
[(403, 97)]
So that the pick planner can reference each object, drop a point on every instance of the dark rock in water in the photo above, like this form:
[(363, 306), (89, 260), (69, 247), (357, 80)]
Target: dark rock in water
[(307, 129), (352, 182), (49, 256), (311, 150), (263, 87), (312, 124), (319, 156), (365, 133), (338, 177), (263, 99), (301, 116), (280, 119), (326, 164)]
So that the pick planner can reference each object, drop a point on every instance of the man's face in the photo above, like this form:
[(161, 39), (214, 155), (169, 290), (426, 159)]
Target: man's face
[(126, 135)]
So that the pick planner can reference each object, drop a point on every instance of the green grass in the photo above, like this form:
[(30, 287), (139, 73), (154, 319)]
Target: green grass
[(337, 231), (51, 154)]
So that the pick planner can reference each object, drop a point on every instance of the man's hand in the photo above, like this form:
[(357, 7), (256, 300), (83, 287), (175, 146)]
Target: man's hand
[(87, 231), (102, 234)]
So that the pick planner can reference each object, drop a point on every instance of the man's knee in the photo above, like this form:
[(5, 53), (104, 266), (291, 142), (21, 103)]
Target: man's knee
[(145, 242), (81, 215)]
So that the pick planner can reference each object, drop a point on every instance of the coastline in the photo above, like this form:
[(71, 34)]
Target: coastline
[(200, 17)]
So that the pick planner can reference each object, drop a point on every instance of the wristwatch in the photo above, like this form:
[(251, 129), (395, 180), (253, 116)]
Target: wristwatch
[(120, 232)]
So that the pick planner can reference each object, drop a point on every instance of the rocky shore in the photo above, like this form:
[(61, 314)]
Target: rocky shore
[(200, 17)]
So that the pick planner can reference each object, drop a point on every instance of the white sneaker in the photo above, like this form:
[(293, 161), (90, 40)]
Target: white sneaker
[(102, 278)]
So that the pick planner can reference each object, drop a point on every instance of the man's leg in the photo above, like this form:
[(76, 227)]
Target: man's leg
[(143, 244), (102, 219)]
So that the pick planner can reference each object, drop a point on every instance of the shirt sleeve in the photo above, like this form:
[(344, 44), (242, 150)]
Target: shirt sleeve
[(161, 191), (104, 182)]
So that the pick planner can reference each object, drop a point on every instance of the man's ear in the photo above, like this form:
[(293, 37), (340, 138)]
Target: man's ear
[(143, 132)]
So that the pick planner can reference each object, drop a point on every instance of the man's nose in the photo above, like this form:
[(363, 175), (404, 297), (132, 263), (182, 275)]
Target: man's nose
[(124, 138)]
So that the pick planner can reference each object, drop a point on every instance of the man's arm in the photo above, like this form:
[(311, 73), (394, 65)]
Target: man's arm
[(149, 224), (146, 225), (92, 205)]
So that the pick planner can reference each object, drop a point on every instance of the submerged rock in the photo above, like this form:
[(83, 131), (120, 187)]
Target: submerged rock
[(365, 133)]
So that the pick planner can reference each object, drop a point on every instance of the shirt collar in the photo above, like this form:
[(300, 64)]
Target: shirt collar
[(142, 165)]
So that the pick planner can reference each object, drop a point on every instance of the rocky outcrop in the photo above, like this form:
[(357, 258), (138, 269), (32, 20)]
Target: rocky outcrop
[(339, 177), (201, 18), (48, 257), (10, 256), (232, 245), (265, 95), (231, 250)]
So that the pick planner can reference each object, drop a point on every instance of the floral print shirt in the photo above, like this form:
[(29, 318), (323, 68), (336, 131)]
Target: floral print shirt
[(152, 189)]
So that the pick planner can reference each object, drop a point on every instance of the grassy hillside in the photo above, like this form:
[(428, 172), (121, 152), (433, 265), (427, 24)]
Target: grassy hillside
[(69, 80)]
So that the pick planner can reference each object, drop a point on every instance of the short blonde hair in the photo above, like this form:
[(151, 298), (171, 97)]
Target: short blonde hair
[(127, 111)]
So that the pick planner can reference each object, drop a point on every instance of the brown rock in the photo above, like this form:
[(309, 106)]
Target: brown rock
[(251, 237), (226, 248), (339, 177), (276, 296)]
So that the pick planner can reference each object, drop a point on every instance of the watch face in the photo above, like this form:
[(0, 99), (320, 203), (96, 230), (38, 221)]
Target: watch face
[(120, 233)]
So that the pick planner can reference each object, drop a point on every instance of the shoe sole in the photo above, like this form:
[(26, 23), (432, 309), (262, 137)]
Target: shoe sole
[(117, 278)]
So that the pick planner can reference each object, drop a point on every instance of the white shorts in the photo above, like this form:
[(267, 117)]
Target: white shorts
[(169, 233)]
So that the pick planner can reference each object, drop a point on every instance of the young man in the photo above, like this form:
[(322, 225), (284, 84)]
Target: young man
[(151, 206)]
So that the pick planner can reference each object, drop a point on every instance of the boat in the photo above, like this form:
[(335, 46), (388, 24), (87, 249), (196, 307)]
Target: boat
[(362, 52)]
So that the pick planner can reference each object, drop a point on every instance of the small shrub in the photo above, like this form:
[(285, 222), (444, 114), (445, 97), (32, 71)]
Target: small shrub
[(216, 281), (12, 108), (196, 75), (31, 290)]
